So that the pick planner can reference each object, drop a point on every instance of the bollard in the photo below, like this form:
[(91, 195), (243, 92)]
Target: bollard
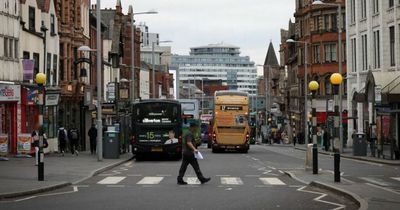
[(315, 159), (337, 166)]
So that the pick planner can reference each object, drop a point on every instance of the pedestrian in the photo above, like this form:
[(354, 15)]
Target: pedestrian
[(62, 139), (92, 133), (294, 138), (73, 136), (188, 151)]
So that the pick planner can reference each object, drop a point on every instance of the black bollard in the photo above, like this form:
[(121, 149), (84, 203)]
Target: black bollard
[(315, 159), (336, 158)]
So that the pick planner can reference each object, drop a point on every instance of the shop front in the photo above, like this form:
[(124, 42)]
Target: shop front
[(10, 96)]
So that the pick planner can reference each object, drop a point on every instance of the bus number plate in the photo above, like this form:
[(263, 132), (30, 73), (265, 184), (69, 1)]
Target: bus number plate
[(156, 149)]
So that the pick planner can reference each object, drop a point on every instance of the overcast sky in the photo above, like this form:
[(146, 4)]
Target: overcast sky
[(248, 24)]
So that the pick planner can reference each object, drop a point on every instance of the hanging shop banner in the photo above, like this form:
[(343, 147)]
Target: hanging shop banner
[(10, 92), (28, 65), (24, 142), (3, 144)]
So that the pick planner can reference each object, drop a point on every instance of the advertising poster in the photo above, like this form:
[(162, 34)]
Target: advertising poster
[(24, 143), (3, 144)]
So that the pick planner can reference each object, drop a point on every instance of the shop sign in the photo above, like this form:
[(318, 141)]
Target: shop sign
[(111, 91), (24, 142), (3, 144), (10, 92), (52, 99)]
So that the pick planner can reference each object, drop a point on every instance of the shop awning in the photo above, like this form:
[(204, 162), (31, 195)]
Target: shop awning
[(389, 83)]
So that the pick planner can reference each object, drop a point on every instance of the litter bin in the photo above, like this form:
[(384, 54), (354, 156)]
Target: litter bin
[(111, 145), (359, 144)]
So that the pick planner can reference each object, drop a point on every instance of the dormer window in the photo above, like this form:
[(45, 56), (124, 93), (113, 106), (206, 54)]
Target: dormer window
[(31, 18)]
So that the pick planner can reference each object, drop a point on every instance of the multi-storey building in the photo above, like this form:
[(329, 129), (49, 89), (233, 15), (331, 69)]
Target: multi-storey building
[(10, 75), (316, 26), (217, 62), (373, 31)]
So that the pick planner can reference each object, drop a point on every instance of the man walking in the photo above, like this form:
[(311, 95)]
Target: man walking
[(92, 133), (62, 139), (73, 136), (189, 150)]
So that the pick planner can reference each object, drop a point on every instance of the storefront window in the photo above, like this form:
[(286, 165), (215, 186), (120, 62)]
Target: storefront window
[(50, 121)]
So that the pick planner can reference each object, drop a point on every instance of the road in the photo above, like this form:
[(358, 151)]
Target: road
[(239, 181)]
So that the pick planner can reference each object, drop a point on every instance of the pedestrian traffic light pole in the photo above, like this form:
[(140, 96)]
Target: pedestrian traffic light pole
[(40, 81), (313, 86), (99, 99), (336, 80)]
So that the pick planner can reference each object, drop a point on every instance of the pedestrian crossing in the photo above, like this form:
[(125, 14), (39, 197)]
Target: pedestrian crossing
[(191, 180)]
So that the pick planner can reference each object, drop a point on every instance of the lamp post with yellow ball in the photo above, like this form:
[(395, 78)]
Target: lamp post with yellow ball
[(313, 86), (336, 79), (40, 80)]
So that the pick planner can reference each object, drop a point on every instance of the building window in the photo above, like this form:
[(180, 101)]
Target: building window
[(364, 45), (55, 63), (391, 48), (334, 22), (25, 55), (6, 47), (52, 25), (375, 6), (330, 52), (16, 49), (328, 86), (316, 23), (391, 3), (363, 9), (48, 66), (326, 22), (36, 58), (352, 11), (353, 55), (32, 18), (377, 50), (11, 48), (316, 54)]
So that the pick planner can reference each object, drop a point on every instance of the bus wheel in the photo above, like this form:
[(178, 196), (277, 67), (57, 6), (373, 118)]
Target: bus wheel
[(139, 157), (214, 150)]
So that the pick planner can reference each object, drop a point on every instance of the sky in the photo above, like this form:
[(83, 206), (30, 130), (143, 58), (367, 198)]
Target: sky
[(248, 24)]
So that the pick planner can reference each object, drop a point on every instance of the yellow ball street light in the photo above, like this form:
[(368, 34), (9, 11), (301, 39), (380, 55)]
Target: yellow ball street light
[(313, 86), (336, 79), (40, 79)]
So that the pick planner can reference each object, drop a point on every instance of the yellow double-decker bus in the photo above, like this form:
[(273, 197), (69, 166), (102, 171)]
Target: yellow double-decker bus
[(231, 129)]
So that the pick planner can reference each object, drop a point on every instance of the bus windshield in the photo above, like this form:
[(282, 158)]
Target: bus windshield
[(156, 113)]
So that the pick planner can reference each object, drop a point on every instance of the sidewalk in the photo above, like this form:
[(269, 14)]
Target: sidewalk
[(365, 195), (18, 176)]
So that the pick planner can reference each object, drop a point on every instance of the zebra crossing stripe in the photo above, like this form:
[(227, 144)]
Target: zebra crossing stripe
[(231, 181), (396, 178), (150, 180), (192, 180), (111, 180), (375, 181), (272, 181)]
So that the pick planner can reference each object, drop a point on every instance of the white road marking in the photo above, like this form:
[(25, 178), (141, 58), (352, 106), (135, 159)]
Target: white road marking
[(272, 181), (396, 178), (383, 188), (231, 181), (281, 172), (228, 189), (254, 159), (192, 180), (222, 175), (319, 198), (150, 180), (376, 181), (111, 180), (261, 169), (273, 168), (128, 164), (163, 175), (74, 189)]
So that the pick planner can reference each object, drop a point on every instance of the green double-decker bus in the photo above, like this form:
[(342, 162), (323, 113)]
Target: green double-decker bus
[(153, 121)]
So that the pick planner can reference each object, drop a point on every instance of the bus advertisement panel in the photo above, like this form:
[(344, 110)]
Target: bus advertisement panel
[(231, 127), (156, 127)]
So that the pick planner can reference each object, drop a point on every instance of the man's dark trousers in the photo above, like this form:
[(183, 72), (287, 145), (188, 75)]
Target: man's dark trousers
[(186, 160)]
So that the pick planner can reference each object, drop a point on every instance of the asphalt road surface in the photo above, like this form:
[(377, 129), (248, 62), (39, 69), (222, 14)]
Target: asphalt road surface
[(238, 181)]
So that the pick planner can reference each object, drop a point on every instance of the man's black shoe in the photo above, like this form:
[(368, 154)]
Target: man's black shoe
[(204, 180), (182, 183)]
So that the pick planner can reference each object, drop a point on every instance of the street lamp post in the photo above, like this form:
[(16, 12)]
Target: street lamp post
[(336, 80), (98, 63), (40, 81), (133, 51), (313, 86), (339, 6), (153, 80), (305, 87)]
